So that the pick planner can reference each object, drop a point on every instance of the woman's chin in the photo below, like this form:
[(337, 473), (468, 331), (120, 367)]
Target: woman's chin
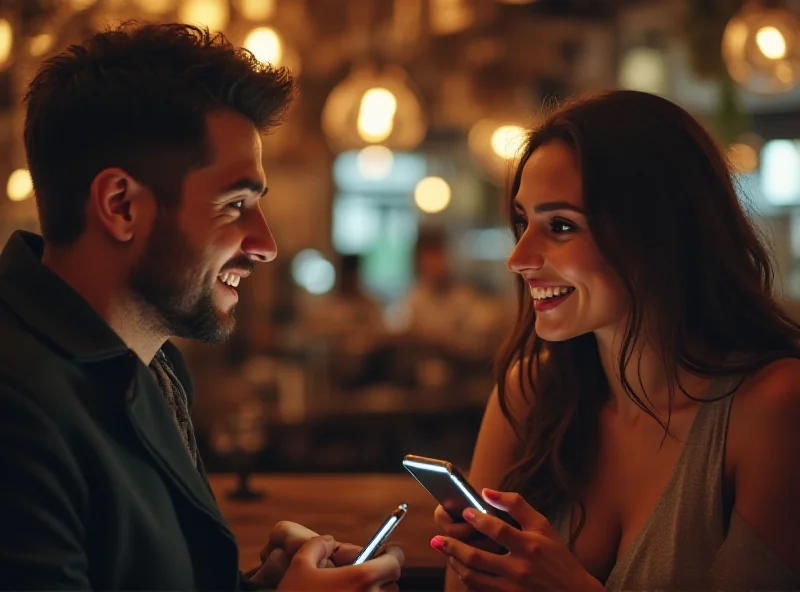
[(548, 332)]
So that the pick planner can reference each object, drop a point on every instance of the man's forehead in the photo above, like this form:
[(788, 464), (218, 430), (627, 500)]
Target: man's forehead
[(241, 176), (232, 137)]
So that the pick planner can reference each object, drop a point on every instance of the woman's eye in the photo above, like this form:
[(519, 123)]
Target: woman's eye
[(561, 226), (520, 225), (238, 204)]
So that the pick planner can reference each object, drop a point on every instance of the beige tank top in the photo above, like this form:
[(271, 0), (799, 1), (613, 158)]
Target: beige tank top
[(681, 545)]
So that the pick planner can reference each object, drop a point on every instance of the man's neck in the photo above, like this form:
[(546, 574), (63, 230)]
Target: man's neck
[(98, 284)]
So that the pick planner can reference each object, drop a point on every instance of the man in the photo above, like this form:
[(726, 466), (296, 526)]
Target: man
[(439, 309), (145, 151)]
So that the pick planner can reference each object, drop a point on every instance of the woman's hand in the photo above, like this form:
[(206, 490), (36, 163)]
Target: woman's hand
[(537, 559), (464, 532)]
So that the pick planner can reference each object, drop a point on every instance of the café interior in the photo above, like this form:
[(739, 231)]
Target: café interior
[(373, 333)]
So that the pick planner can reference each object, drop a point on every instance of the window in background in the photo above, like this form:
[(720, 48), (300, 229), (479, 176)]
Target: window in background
[(772, 193), (374, 215), (780, 172), (644, 68), (487, 244)]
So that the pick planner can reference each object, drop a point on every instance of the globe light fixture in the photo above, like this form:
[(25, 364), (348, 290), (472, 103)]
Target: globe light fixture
[(374, 107), (760, 47), (495, 143)]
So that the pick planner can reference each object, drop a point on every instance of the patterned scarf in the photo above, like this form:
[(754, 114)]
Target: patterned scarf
[(177, 401)]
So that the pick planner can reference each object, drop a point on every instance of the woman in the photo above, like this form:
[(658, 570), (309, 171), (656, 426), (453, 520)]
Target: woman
[(648, 400)]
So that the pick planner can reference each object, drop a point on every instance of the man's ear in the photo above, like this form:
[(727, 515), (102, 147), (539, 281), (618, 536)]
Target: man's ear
[(120, 203)]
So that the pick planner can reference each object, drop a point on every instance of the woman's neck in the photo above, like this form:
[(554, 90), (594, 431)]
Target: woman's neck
[(646, 375)]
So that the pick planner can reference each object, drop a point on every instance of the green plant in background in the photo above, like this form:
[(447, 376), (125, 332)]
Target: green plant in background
[(704, 25)]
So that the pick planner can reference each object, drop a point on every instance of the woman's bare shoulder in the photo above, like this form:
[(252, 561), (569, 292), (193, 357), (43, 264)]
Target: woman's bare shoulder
[(772, 387), (761, 452)]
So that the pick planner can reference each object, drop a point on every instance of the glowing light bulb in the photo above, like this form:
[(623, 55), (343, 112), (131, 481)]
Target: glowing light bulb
[(771, 43), (743, 158), (432, 194), (507, 140), (265, 44), (6, 41), (156, 7), (20, 185), (761, 47), (376, 115), (210, 13)]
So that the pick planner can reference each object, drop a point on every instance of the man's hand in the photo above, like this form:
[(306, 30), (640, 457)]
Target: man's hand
[(285, 539), (307, 570)]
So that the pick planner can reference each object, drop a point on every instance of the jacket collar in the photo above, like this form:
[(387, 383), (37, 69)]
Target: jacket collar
[(59, 315), (49, 306)]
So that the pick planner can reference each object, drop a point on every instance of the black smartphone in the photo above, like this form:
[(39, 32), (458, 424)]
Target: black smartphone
[(448, 485), (382, 534)]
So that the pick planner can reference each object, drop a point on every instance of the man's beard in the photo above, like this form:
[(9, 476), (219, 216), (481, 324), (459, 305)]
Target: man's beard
[(169, 279)]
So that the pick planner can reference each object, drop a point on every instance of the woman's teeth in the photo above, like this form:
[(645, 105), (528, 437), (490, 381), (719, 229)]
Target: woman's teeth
[(231, 279), (545, 293)]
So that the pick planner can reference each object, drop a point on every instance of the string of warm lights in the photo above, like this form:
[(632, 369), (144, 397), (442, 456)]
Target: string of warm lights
[(377, 109)]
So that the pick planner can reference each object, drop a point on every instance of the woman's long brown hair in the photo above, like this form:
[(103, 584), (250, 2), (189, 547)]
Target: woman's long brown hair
[(662, 209)]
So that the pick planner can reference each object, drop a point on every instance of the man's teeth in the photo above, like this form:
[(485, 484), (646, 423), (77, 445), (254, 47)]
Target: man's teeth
[(545, 293), (230, 279)]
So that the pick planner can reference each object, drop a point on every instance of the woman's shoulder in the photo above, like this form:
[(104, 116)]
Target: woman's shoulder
[(772, 388), (765, 415), (761, 452)]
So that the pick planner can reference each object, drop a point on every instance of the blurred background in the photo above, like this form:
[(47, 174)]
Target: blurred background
[(373, 333)]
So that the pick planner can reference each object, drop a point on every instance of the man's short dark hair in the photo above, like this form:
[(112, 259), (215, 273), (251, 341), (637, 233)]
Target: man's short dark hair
[(136, 97)]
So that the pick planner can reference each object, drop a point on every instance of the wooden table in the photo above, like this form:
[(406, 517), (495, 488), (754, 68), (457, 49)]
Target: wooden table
[(348, 507)]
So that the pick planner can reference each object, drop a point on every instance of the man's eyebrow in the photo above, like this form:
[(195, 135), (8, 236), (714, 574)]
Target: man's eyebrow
[(246, 184)]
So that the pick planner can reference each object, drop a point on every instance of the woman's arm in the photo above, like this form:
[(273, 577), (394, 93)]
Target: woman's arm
[(763, 453), (496, 449)]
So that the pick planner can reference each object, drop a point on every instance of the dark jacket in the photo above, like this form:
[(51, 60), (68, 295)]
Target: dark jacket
[(97, 490)]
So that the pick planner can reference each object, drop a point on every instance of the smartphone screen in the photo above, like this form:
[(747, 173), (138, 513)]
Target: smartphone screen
[(382, 534), (445, 482)]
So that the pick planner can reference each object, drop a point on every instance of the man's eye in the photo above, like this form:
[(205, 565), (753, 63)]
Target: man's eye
[(239, 204)]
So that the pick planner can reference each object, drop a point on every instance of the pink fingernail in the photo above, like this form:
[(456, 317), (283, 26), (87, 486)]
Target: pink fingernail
[(470, 515), (491, 494), (437, 543)]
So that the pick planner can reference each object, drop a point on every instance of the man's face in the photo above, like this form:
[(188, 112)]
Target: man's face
[(197, 253)]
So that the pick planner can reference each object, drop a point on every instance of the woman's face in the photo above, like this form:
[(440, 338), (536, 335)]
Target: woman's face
[(574, 290)]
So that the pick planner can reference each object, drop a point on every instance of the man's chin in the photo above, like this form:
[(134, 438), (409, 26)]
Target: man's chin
[(211, 327), (225, 326)]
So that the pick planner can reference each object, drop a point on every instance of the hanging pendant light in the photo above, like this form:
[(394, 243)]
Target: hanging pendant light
[(495, 144), (761, 47), (374, 106), (213, 14)]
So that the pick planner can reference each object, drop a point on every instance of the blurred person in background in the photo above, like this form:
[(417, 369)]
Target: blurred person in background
[(144, 145), (646, 423), (441, 309), (348, 309)]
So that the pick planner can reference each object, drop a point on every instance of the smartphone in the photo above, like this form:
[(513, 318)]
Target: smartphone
[(382, 534), (448, 485)]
